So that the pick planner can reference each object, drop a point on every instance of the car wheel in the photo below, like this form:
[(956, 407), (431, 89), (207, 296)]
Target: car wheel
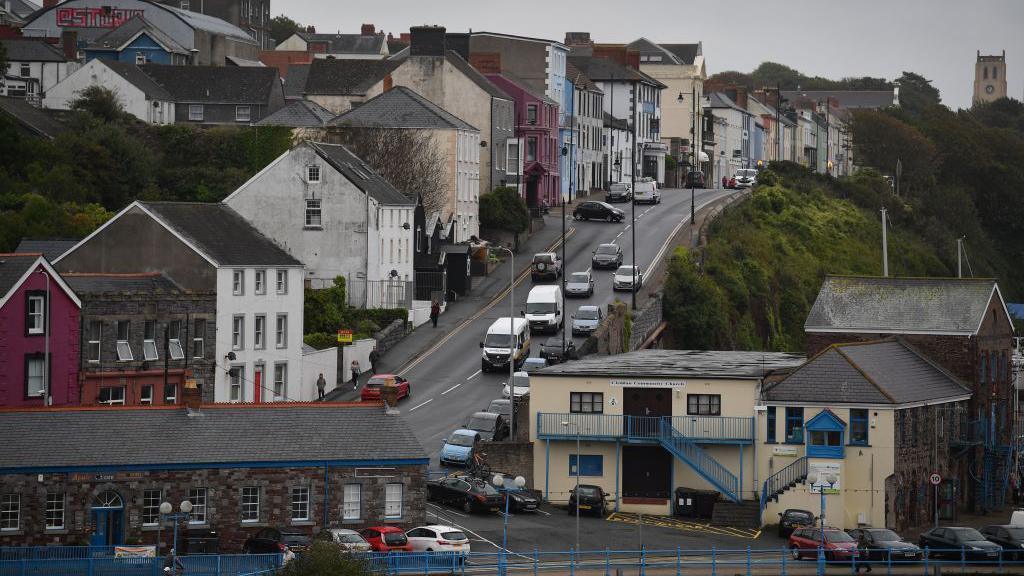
[(611, 218), (795, 552), (408, 391)]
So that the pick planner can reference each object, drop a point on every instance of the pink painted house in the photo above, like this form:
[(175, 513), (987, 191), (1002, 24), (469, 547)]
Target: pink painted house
[(39, 315)]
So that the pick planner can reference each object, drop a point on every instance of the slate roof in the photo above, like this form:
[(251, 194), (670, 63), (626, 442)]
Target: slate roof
[(51, 248), (299, 114), (124, 33), (214, 84), (900, 305), (679, 364), (396, 46), (295, 81), (686, 53), (846, 98), (401, 107), (220, 233), (347, 43), (360, 174), (580, 79), (671, 54), (136, 77), (720, 100), (21, 8), (39, 121), (31, 50), (605, 69), (148, 282), (211, 24), (334, 77), (884, 372), (343, 432), (12, 268)]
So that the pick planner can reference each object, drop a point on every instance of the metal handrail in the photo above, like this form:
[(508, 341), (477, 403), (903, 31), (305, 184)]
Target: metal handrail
[(794, 472), (613, 426), (702, 462)]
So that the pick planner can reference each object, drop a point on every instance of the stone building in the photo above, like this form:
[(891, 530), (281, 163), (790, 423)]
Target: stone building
[(989, 78), (102, 479)]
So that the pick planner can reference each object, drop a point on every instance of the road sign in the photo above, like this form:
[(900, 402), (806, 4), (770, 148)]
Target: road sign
[(345, 336), (935, 479)]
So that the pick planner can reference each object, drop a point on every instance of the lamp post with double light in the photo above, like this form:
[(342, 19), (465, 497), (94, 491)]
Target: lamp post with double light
[(166, 510), (498, 481), (822, 482)]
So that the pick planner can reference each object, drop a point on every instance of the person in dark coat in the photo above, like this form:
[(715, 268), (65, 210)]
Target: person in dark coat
[(374, 358), (355, 374), (321, 385), (435, 311)]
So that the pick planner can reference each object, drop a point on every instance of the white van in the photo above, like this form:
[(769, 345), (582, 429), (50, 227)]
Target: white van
[(495, 344), (646, 191), (544, 308)]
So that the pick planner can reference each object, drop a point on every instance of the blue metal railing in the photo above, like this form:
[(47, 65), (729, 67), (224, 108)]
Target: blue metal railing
[(779, 482), (702, 462), (54, 552), (99, 561), (610, 427), (714, 427)]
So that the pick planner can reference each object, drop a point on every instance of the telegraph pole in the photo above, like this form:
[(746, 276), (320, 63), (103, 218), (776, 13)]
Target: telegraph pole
[(632, 176)]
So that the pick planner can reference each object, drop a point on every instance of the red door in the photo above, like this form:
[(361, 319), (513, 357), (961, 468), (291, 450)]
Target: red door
[(257, 383)]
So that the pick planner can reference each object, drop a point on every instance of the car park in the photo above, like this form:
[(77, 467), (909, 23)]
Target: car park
[(586, 320), (531, 365), (546, 266), (275, 540), (544, 308), (371, 390), (646, 191), (520, 386), (489, 425), (436, 538), (793, 518), (386, 539), (746, 177), (457, 449), (1007, 536), (591, 500), (618, 192), (469, 494), (695, 179), (593, 210), (607, 256), (347, 540), (624, 278), (956, 542), (838, 546), (580, 284), (882, 544)]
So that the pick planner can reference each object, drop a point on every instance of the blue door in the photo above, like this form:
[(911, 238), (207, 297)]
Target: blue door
[(107, 520)]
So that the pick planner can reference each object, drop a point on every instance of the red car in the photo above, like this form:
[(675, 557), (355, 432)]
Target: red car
[(839, 546), (386, 539), (371, 391)]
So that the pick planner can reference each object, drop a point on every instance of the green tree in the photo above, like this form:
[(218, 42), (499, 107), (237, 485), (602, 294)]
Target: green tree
[(326, 559), (281, 27), (503, 209), (695, 306), (101, 103), (880, 139), (917, 94), (324, 310)]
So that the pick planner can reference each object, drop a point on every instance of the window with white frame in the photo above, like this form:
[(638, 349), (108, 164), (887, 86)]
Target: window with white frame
[(353, 502), (238, 332), (280, 380), (282, 281), (300, 503), (238, 282), (195, 112), (235, 383), (261, 282), (140, 58), (146, 394), (95, 338), (35, 314), (250, 504), (111, 395), (149, 351), (313, 173), (124, 348), (26, 70), (151, 507), (259, 331), (10, 512), (171, 394), (512, 166), (281, 331), (313, 215), (199, 338), (54, 510), (243, 113), (197, 496), (35, 380), (393, 501), (174, 340)]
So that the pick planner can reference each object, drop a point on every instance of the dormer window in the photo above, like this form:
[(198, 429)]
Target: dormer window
[(312, 173)]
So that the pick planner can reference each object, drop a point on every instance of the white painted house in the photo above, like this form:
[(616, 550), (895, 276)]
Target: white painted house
[(33, 67), (333, 212), (139, 94)]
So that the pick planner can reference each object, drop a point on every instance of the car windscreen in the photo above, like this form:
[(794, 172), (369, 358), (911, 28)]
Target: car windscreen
[(800, 517), (624, 271), (540, 307), (619, 188), (885, 536), (453, 536), (746, 172), (295, 539), (966, 534), (376, 382), (607, 249), (480, 423), (529, 366), (607, 206), (395, 539), (542, 258), (497, 340), (483, 488), (500, 407), (834, 536), (521, 380), (587, 314), (460, 439), (579, 277), (350, 539), (588, 492)]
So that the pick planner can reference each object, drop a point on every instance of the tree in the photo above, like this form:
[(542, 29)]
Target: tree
[(695, 308), (880, 139), (917, 94), (281, 27), (503, 209), (326, 559), (101, 103)]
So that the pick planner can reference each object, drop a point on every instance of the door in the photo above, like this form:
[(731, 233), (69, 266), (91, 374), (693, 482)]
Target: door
[(646, 472), (532, 186), (257, 383), (643, 408), (108, 527)]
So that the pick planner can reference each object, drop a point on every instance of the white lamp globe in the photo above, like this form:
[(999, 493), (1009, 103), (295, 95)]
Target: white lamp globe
[(166, 508), (498, 480), (186, 506), (520, 481)]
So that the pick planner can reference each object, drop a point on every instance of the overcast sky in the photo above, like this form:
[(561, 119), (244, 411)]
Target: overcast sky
[(834, 38)]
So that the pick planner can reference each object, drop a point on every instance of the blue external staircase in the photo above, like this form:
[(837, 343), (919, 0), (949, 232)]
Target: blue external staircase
[(699, 460), (783, 480)]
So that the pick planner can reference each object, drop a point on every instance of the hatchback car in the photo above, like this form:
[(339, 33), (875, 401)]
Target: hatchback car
[(793, 518), (624, 278), (746, 177), (607, 256), (520, 386), (591, 499), (1009, 537), (531, 365), (586, 320), (881, 544), (274, 541), (580, 284), (491, 426), (501, 406), (597, 211), (470, 494), (552, 348), (386, 539), (694, 179), (838, 545), (457, 449), (347, 540), (952, 542), (437, 538), (371, 391), (619, 193)]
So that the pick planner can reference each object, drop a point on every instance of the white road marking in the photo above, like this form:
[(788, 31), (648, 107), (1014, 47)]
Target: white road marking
[(543, 512), (473, 375), (421, 405), (479, 537), (628, 226), (452, 388), (617, 236), (446, 510)]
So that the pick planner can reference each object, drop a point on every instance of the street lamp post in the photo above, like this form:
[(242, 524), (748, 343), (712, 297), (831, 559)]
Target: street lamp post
[(693, 151), (632, 177), (822, 481), (499, 484), (511, 336), (577, 426), (165, 512)]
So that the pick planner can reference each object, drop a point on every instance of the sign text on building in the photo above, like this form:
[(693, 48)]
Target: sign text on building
[(101, 17), (645, 383)]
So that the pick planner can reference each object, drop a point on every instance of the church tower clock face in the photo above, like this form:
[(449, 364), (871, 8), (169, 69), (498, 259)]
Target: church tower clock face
[(990, 89)]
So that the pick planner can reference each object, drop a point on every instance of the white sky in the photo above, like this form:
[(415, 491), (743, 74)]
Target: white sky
[(831, 38)]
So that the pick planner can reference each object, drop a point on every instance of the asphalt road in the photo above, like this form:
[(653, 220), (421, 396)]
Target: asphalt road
[(446, 380)]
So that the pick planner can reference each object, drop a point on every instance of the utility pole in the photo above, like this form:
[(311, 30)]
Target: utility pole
[(778, 122), (959, 257), (693, 154), (632, 176), (885, 247)]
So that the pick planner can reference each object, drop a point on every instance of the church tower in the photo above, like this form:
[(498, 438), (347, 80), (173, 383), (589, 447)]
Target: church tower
[(989, 78)]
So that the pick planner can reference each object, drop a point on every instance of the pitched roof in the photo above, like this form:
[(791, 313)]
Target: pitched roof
[(686, 53), (605, 69), (720, 100), (12, 268), (331, 76), (846, 98), (215, 84), (344, 433), (31, 50), (295, 81), (22, 8), (360, 174), (39, 121), (475, 76), (347, 43), (579, 79), (51, 248), (670, 54), (211, 24), (901, 305), (147, 282), (220, 233), (396, 46), (299, 114), (136, 77), (884, 372), (126, 32), (401, 107), (678, 364)]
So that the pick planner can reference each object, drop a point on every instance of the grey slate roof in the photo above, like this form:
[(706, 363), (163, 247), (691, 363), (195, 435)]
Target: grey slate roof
[(401, 107), (221, 233), (136, 77), (846, 98), (211, 24), (580, 79), (679, 364), (299, 114), (22, 8), (52, 248), (671, 54), (215, 84), (39, 121), (334, 77), (360, 174), (686, 53), (720, 100), (119, 283), (885, 372), (31, 50), (295, 81), (604, 69), (347, 43), (900, 305), (12, 268), (125, 32), (133, 436)]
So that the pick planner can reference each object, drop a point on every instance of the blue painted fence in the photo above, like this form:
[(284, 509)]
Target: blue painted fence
[(97, 561)]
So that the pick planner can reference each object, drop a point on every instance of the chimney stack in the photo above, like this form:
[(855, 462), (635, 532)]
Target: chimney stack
[(192, 396), (50, 3), (69, 44), (427, 41), (573, 39), (311, 29), (367, 30)]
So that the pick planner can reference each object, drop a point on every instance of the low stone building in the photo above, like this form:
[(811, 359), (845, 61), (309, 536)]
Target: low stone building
[(101, 480)]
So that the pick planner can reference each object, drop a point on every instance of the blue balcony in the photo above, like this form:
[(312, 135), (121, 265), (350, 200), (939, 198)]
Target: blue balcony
[(613, 427)]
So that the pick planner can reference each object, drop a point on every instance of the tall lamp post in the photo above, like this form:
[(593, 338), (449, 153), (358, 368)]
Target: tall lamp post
[(693, 151), (565, 154), (822, 482), (499, 484), (166, 510), (511, 335), (577, 426)]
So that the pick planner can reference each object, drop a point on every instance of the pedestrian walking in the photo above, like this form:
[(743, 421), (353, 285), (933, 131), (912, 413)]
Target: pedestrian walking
[(435, 311), (355, 374), (321, 385), (725, 181), (374, 357)]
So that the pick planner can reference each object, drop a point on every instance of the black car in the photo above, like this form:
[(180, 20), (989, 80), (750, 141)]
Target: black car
[(470, 494), (882, 544), (695, 179), (551, 349), (521, 501), (619, 193), (1009, 537), (591, 499), (952, 542), (607, 256), (274, 540), (793, 518), (491, 426), (597, 211)]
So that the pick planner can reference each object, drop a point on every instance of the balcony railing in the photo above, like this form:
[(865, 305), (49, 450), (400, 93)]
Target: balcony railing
[(611, 427)]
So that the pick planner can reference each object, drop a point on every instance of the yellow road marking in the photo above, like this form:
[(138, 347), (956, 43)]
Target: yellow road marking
[(686, 526)]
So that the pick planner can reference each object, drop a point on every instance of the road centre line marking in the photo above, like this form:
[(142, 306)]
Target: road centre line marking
[(421, 405), (473, 375), (450, 389)]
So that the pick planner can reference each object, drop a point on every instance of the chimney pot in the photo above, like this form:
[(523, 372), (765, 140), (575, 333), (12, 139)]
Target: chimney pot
[(367, 30), (311, 29)]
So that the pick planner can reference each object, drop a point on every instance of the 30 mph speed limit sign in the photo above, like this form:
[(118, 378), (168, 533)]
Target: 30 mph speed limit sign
[(935, 479)]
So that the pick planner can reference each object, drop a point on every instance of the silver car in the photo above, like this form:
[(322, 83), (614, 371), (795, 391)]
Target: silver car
[(580, 284), (624, 278), (347, 540), (586, 320), (746, 177)]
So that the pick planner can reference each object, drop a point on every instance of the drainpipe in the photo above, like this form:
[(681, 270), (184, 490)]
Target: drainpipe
[(327, 491)]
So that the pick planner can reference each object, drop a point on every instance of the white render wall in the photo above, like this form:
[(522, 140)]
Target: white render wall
[(96, 73), (467, 203), (47, 73)]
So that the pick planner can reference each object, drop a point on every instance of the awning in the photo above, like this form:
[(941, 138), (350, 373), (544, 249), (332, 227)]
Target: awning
[(703, 156)]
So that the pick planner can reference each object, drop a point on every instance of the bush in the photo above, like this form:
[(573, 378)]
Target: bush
[(325, 559), (503, 209), (321, 340)]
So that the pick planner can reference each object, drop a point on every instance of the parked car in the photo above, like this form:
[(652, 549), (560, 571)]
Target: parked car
[(470, 494), (457, 449), (580, 284), (436, 538), (731, 184), (521, 501), (593, 210), (624, 276), (619, 193), (1009, 537), (607, 256), (586, 320), (952, 541), (491, 426), (591, 499), (546, 265), (793, 518), (274, 541), (386, 539), (695, 179), (371, 391), (838, 545), (520, 386), (501, 406), (534, 364), (746, 177), (882, 544), (347, 540)]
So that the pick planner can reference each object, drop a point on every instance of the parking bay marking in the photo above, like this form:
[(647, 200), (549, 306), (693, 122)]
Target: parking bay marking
[(421, 405), (686, 526), (470, 532)]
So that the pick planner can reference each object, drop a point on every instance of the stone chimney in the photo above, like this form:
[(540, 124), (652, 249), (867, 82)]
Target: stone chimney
[(311, 29), (573, 39), (49, 3), (191, 394), (367, 30), (69, 44), (427, 41), (486, 62)]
